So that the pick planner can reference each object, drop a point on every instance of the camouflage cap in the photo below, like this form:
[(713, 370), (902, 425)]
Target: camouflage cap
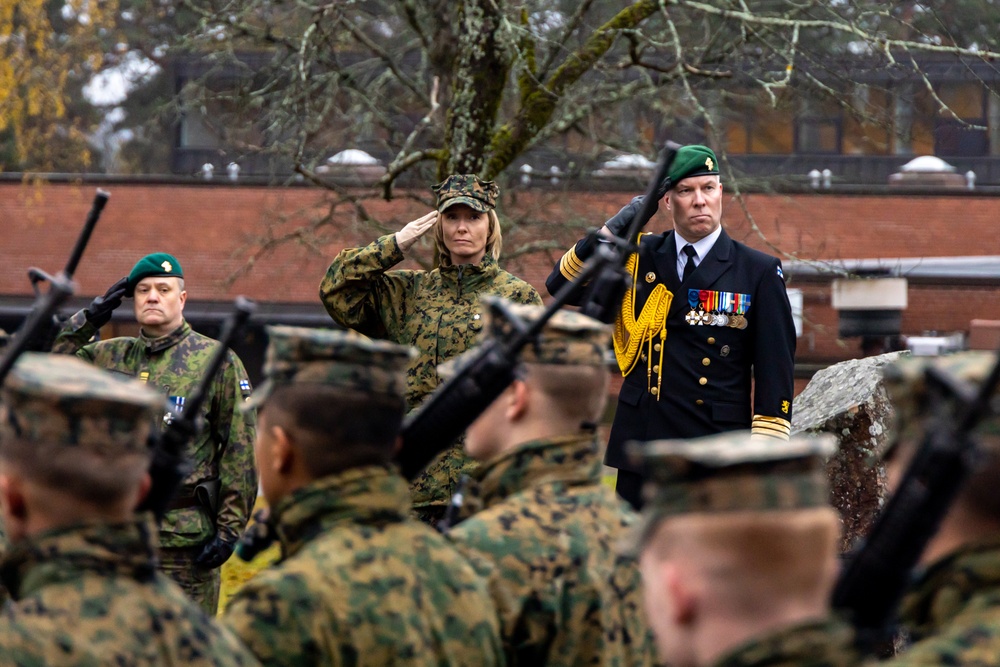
[(156, 264), (568, 338), (729, 472), (60, 400), (907, 386), (467, 189), (693, 160), (342, 359)]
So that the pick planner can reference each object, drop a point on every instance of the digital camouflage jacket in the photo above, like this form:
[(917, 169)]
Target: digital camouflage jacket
[(953, 611), (361, 583), (175, 363), (91, 595), (545, 532), (437, 312), (821, 643)]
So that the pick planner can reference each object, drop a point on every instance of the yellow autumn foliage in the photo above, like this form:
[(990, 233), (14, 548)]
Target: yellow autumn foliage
[(36, 63)]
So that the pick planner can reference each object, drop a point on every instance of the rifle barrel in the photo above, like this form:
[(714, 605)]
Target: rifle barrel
[(100, 199)]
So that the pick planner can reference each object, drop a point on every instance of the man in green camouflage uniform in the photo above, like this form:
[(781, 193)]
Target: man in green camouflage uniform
[(738, 546), (81, 572), (536, 518), (952, 610), (213, 505), (359, 581), (436, 311)]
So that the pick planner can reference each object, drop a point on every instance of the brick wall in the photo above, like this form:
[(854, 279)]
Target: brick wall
[(226, 237)]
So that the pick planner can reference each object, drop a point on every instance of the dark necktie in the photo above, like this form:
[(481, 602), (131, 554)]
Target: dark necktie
[(689, 265)]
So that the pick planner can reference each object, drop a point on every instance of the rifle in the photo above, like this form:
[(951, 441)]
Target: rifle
[(45, 331), (170, 465), (40, 317), (457, 403), (875, 578), (452, 408)]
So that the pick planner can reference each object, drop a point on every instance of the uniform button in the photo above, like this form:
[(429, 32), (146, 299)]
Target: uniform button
[(699, 402), (654, 391), (656, 369), (656, 348), (711, 340), (702, 380), (706, 361)]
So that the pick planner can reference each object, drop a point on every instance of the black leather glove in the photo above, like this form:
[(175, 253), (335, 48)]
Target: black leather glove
[(215, 553), (99, 312), (619, 223)]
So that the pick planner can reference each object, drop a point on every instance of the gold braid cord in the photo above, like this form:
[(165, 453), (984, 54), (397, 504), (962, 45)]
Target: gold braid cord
[(631, 332)]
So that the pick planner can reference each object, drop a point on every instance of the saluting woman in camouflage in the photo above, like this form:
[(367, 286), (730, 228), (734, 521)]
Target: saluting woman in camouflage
[(437, 311)]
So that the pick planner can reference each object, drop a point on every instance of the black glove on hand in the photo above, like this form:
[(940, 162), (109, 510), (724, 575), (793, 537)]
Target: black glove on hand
[(99, 312), (619, 223), (215, 553)]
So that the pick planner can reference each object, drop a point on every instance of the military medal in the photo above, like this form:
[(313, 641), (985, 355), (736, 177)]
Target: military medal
[(693, 317)]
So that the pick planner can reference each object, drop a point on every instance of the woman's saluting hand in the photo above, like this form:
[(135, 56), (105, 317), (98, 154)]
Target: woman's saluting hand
[(414, 229)]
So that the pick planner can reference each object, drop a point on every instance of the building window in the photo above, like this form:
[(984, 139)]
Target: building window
[(818, 135)]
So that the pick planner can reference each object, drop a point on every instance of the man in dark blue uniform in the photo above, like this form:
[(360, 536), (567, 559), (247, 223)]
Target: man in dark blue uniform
[(704, 338)]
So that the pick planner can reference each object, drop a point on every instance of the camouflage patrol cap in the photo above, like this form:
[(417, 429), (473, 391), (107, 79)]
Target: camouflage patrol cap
[(907, 386), (568, 338), (693, 160), (729, 472), (53, 399), (466, 189), (156, 264), (341, 359)]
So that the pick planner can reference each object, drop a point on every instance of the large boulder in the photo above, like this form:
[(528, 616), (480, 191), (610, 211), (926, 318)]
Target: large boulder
[(848, 400)]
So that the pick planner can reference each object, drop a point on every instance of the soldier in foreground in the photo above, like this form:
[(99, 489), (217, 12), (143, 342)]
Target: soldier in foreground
[(952, 610), (739, 552), (81, 570), (213, 506), (359, 581), (537, 519)]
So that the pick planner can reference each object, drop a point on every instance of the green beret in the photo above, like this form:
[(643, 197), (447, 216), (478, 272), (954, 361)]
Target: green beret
[(60, 401), (693, 160), (332, 358), (729, 472), (156, 264), (466, 189)]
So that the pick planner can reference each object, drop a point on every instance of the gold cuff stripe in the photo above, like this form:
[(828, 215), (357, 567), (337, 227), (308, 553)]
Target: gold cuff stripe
[(770, 429), (570, 265), (775, 422), (767, 433)]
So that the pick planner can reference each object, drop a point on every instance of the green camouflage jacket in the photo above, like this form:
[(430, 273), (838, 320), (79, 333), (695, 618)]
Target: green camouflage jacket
[(361, 583), (224, 448), (545, 532), (821, 643), (953, 611), (437, 312), (90, 595)]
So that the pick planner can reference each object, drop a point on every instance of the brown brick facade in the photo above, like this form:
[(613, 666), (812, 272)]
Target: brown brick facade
[(217, 230)]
